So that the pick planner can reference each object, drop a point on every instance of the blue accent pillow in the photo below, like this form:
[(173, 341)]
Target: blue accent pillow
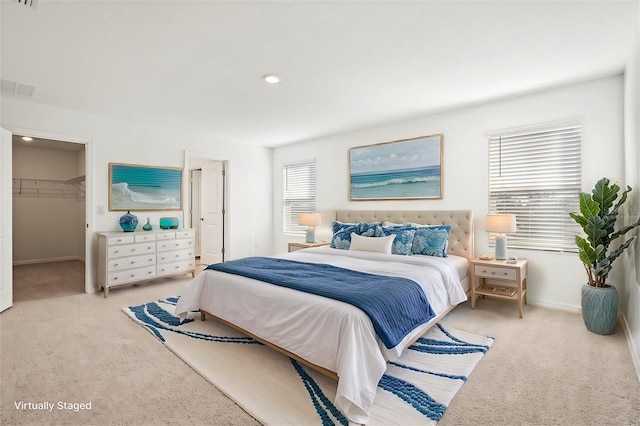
[(431, 240), (342, 234), (404, 238), (369, 229)]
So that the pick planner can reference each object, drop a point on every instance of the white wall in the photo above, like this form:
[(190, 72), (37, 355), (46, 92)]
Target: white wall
[(631, 259), (47, 228), (554, 279), (112, 140)]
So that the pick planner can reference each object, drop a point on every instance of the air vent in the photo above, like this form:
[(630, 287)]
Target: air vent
[(27, 3), (14, 87)]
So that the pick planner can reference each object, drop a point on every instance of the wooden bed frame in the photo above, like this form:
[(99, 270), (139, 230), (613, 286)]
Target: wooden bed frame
[(460, 244)]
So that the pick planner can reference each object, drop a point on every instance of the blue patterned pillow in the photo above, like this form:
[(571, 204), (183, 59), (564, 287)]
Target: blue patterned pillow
[(431, 241), (369, 229), (342, 234), (404, 238)]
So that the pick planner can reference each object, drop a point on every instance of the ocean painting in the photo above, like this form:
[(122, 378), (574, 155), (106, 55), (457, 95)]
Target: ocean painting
[(405, 169), (133, 187)]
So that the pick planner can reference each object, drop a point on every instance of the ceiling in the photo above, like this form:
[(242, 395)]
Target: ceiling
[(197, 66)]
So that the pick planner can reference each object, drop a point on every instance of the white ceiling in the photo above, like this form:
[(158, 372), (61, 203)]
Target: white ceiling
[(197, 65)]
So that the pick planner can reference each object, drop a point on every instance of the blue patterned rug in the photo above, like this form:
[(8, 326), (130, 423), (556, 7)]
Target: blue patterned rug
[(275, 389)]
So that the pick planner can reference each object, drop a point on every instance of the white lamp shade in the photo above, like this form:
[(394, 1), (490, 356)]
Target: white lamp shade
[(309, 219), (500, 223)]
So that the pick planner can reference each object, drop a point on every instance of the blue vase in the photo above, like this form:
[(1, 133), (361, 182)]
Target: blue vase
[(169, 223), (128, 222), (600, 309), (147, 226)]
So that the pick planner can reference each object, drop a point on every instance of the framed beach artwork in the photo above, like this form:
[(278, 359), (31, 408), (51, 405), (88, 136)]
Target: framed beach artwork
[(400, 170), (134, 187)]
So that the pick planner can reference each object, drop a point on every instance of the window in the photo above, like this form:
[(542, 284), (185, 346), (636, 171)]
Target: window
[(535, 173), (299, 181)]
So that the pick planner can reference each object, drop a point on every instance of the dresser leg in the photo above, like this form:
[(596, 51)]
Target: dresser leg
[(106, 292)]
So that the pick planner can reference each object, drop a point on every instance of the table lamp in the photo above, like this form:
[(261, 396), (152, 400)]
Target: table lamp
[(310, 220), (501, 223)]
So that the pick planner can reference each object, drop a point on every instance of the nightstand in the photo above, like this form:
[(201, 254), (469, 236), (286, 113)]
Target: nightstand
[(507, 281), (299, 246)]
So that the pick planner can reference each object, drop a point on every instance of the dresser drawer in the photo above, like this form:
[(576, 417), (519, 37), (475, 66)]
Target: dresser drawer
[(131, 275), (131, 250), (112, 241), (174, 256), (145, 237), (176, 267), (174, 245), (494, 272), (190, 233), (131, 262), (166, 236)]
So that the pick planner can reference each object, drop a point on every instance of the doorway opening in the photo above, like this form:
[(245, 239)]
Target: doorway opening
[(208, 213), (49, 217)]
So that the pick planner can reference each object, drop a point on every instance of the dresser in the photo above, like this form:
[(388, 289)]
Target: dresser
[(132, 257)]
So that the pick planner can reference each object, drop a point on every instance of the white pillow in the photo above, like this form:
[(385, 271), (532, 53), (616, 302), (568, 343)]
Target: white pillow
[(374, 244)]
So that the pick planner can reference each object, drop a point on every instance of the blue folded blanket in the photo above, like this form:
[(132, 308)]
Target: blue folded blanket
[(395, 305)]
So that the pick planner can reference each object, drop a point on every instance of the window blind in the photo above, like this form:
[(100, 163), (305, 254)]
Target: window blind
[(299, 194), (536, 174)]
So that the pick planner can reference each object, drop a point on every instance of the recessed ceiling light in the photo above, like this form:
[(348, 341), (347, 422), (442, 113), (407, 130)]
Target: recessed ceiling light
[(27, 139), (271, 78)]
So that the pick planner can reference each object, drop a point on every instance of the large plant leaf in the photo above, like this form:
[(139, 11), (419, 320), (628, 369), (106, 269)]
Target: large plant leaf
[(588, 255), (596, 231), (617, 252), (605, 195), (588, 206)]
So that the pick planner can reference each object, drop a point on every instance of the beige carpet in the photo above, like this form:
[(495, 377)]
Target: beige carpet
[(545, 369)]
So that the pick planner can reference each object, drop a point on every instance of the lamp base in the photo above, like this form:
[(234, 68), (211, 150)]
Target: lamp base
[(311, 235), (501, 247)]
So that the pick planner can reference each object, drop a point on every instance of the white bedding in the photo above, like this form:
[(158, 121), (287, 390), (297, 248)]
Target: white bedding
[(326, 332)]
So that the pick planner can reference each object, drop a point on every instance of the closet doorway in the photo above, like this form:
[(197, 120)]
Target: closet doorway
[(49, 217)]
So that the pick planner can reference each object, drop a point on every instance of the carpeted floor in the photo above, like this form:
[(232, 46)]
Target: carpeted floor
[(545, 369)]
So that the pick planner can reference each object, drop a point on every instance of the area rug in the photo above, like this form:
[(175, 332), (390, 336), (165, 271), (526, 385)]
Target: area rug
[(276, 390)]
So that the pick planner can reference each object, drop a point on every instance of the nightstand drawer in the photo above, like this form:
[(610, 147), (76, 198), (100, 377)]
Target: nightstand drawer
[(494, 272)]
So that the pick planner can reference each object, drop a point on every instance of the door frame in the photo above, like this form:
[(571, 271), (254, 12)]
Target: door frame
[(190, 159), (89, 275)]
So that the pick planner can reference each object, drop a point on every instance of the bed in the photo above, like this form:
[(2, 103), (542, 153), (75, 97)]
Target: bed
[(337, 338)]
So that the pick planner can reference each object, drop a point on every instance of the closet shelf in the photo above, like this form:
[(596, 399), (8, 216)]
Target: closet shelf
[(50, 188)]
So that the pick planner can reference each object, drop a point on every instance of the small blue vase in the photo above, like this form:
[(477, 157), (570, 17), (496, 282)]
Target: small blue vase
[(128, 222)]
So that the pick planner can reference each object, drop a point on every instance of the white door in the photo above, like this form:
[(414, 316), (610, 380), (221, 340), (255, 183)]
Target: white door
[(195, 206), (6, 250), (212, 213)]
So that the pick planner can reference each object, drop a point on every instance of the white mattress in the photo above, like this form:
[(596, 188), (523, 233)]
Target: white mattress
[(326, 332)]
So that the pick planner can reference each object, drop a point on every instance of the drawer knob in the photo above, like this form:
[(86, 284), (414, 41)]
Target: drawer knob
[(177, 255), (177, 267), (117, 251), (133, 249), (133, 275), (115, 278), (133, 261), (115, 265), (493, 272)]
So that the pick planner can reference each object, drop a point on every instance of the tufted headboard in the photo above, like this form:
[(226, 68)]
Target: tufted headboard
[(461, 221)]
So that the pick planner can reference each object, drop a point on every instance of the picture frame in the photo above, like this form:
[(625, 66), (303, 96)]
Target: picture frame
[(405, 169), (142, 188)]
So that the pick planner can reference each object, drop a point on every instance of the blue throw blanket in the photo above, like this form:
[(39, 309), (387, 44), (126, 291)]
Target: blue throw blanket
[(395, 305)]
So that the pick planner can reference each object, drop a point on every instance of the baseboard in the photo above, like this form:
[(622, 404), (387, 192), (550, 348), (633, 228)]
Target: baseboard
[(635, 353), (575, 309), (53, 259)]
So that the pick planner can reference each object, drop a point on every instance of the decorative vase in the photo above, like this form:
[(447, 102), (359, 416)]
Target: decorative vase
[(600, 309), (128, 222), (147, 226), (169, 222)]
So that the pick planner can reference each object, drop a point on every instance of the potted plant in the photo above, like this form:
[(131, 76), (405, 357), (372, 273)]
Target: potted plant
[(598, 216)]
